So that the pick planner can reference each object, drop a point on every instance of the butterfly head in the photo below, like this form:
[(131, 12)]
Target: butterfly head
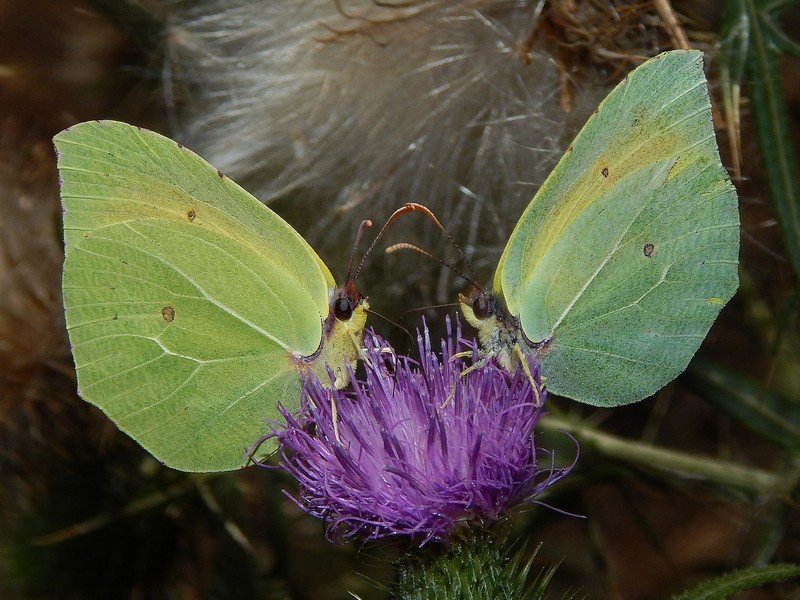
[(498, 331), (480, 309), (342, 331), (345, 300)]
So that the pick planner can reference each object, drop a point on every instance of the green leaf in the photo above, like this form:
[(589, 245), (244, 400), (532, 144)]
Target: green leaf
[(754, 24), (766, 413), (725, 586)]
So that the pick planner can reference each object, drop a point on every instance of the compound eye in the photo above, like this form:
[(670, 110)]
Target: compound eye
[(480, 307), (343, 308)]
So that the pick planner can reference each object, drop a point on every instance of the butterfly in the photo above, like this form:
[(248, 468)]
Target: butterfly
[(192, 309), (622, 261)]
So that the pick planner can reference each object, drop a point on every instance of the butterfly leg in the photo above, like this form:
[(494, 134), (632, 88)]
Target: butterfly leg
[(520, 354), (335, 419), (476, 365)]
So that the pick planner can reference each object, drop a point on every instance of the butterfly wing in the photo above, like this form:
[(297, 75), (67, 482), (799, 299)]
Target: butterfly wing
[(628, 252), (187, 301)]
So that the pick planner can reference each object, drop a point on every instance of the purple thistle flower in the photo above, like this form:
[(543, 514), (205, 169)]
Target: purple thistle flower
[(420, 449)]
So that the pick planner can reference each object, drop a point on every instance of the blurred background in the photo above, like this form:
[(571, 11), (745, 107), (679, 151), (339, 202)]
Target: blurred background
[(333, 111)]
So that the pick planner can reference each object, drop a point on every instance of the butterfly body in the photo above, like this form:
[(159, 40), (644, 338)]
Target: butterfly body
[(341, 335), (499, 332)]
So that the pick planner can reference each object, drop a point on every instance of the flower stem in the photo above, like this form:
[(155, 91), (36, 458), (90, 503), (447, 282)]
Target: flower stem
[(686, 465)]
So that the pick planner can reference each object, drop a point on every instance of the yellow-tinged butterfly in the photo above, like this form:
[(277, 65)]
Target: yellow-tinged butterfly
[(191, 307), (623, 259)]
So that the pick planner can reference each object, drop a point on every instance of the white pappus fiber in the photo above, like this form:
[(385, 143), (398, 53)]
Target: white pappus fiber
[(349, 109)]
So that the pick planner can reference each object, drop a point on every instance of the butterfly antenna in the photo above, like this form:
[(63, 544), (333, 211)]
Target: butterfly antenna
[(429, 213), (395, 323), (429, 307), (400, 211), (453, 268), (413, 206), (361, 228)]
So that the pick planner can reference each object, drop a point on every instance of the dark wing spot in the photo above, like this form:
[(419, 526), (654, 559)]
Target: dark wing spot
[(648, 249), (191, 215), (181, 146), (168, 313), (221, 174), (605, 172)]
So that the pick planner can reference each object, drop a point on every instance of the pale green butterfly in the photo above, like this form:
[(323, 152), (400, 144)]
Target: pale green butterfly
[(191, 307), (623, 259)]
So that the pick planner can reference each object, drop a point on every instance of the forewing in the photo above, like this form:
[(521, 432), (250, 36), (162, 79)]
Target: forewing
[(624, 258), (185, 297)]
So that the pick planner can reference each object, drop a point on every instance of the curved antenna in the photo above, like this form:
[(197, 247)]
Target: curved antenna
[(388, 320), (429, 213), (400, 211), (441, 261), (429, 307), (361, 228)]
